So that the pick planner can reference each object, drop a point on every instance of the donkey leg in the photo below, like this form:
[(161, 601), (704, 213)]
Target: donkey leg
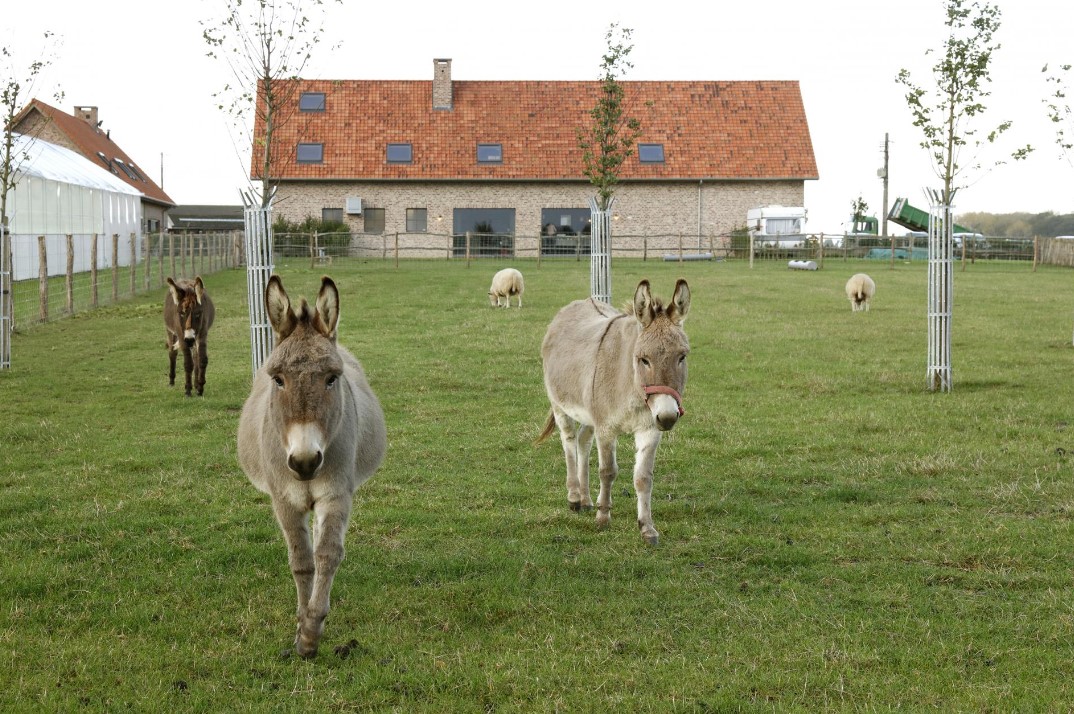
[(172, 353), (295, 526), (188, 367), (202, 363), (584, 446), (569, 431), (609, 469), (644, 458), (332, 517)]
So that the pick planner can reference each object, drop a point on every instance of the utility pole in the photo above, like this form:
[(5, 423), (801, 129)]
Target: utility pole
[(883, 174)]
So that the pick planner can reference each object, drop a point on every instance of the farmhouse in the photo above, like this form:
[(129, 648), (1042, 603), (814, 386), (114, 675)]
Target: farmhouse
[(449, 157), (82, 133)]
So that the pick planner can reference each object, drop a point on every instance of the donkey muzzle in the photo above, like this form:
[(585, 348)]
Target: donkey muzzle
[(666, 405), (304, 452)]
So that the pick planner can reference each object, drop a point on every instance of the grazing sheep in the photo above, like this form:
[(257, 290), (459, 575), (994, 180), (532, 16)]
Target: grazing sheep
[(506, 283), (860, 290)]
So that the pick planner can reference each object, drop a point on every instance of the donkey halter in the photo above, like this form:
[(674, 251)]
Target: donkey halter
[(661, 389)]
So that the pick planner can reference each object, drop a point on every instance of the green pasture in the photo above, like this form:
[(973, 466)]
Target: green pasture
[(833, 536)]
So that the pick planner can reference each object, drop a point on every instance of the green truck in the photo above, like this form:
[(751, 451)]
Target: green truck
[(914, 219)]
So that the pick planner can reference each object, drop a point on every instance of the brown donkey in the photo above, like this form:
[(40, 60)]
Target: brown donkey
[(609, 373), (310, 433), (188, 315)]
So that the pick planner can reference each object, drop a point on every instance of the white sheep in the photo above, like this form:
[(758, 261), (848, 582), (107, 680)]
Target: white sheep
[(860, 289), (506, 283)]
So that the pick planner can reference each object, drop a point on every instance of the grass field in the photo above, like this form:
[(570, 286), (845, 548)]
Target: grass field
[(833, 536)]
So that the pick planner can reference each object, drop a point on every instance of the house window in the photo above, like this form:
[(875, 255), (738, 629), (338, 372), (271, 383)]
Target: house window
[(651, 153), (565, 231), (311, 102), (400, 153), (310, 153), (417, 220), (492, 231), (332, 215), (374, 220), (489, 154)]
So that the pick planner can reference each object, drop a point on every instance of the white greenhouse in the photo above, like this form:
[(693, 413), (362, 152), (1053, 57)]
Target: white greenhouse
[(59, 193)]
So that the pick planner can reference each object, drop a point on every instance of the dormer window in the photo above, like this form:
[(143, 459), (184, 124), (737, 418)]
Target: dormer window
[(108, 164), (310, 154), (400, 153), (651, 153), (311, 102), (489, 154), (126, 169)]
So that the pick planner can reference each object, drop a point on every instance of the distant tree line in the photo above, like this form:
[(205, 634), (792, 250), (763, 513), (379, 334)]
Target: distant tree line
[(1019, 225)]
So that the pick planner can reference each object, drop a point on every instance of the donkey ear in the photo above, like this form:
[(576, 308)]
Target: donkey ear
[(327, 308), (643, 304), (174, 290), (278, 307), (680, 302), (199, 289)]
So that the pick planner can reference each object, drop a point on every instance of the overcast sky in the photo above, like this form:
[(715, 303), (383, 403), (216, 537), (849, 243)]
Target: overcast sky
[(154, 85)]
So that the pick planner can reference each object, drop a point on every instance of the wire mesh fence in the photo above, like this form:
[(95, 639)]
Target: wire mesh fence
[(71, 274), (323, 248), (77, 273)]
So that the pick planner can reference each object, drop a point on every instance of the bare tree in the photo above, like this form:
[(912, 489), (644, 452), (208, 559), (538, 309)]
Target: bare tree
[(266, 44)]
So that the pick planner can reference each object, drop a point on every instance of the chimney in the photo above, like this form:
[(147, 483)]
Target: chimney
[(88, 115), (442, 84)]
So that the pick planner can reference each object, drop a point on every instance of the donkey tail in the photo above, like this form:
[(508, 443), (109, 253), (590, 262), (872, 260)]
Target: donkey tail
[(549, 427)]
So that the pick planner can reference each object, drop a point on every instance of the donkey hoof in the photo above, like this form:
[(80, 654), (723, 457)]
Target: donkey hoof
[(575, 505), (652, 540)]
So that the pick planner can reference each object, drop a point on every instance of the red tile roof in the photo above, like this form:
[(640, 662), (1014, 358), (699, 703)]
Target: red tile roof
[(754, 130), (88, 140)]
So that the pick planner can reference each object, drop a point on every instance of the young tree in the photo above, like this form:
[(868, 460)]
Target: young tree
[(859, 210), (947, 115), (606, 144), (609, 140), (17, 86), (265, 44)]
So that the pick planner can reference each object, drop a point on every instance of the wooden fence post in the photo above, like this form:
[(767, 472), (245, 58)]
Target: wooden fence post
[(467, 249), (145, 275), (396, 250), (680, 247), (313, 250), (1035, 254), (69, 278), (93, 272), (115, 267), (134, 265), (42, 277)]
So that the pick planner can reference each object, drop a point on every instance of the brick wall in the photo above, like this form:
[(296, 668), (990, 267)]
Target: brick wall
[(670, 209)]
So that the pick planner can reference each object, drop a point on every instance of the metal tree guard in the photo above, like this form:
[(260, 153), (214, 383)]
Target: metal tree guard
[(600, 248), (259, 267), (941, 291), (6, 306)]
